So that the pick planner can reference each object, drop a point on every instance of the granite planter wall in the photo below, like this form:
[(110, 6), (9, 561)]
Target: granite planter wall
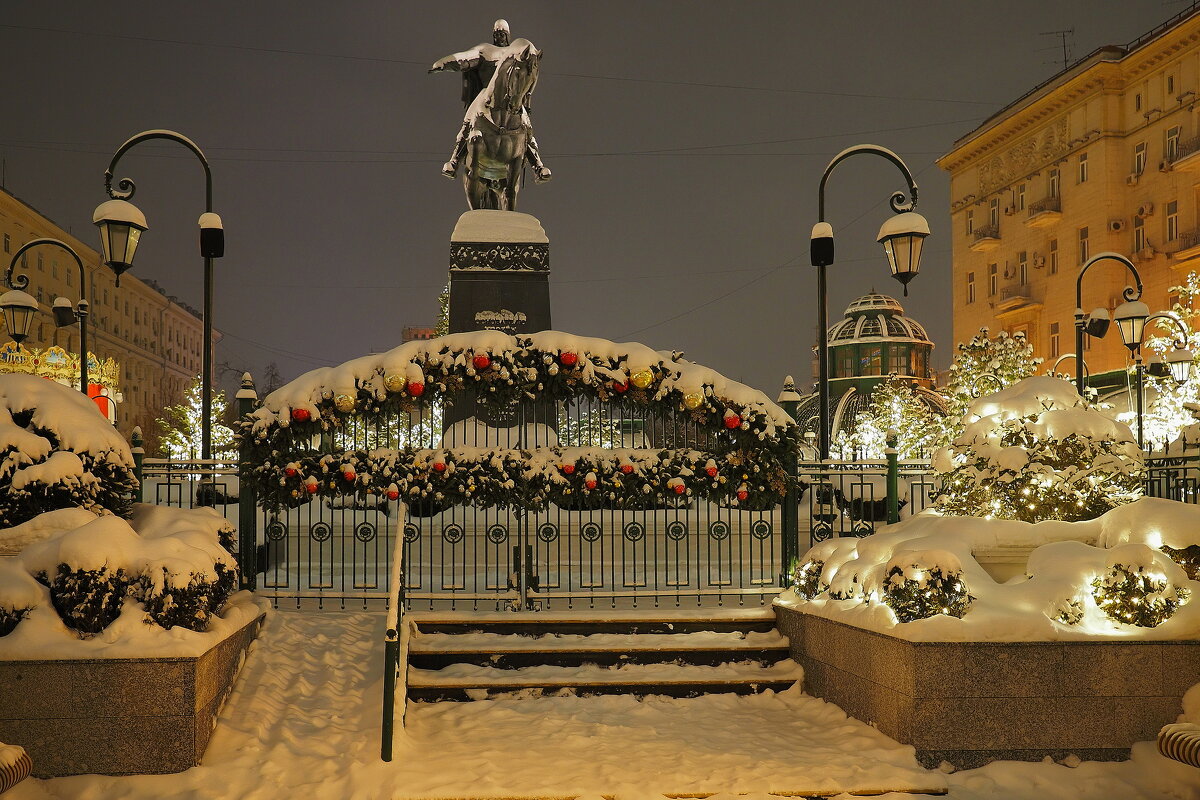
[(969, 703), (118, 716)]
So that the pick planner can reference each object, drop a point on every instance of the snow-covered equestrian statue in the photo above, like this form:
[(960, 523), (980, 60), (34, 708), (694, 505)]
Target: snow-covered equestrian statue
[(496, 137)]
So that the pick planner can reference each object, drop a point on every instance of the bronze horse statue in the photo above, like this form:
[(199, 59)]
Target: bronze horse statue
[(499, 133)]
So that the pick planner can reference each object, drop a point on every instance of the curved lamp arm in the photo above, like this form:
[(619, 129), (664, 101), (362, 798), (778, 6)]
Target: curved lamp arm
[(1180, 343), (22, 281), (126, 187), (1053, 370), (1129, 292), (899, 201)]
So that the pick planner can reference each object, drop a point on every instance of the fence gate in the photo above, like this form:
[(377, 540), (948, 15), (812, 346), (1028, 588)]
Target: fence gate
[(627, 485)]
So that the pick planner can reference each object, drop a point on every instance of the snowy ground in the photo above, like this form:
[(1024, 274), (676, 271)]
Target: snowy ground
[(304, 722)]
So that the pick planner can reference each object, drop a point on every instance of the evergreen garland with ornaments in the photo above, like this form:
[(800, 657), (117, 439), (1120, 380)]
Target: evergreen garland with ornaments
[(746, 436)]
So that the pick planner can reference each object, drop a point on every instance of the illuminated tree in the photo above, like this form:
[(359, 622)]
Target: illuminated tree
[(895, 405), (182, 426), (982, 366), (1166, 416)]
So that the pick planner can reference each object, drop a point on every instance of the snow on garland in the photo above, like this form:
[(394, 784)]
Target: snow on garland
[(752, 434), (57, 451)]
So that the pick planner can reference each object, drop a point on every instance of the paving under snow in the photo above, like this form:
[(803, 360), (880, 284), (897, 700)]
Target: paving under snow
[(304, 722)]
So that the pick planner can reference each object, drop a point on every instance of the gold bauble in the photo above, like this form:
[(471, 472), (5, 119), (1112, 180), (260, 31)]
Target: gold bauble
[(343, 402), (642, 378), (693, 400), (394, 382)]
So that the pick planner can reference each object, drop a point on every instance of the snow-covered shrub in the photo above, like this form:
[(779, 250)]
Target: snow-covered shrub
[(19, 594), (1035, 451), (1186, 557), (189, 601), (58, 451), (923, 584), (1135, 590), (1067, 612), (87, 600), (807, 579)]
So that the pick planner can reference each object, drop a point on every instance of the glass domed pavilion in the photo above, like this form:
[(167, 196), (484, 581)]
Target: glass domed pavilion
[(873, 341)]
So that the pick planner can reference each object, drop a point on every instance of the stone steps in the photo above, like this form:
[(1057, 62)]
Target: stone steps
[(465, 657)]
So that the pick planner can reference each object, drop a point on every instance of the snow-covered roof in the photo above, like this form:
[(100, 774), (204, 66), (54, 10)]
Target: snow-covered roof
[(877, 317)]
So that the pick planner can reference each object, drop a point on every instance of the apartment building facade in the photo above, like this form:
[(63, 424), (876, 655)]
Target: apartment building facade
[(154, 339), (1104, 156)]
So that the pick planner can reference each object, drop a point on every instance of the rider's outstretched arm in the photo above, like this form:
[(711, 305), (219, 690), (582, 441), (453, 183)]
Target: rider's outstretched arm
[(459, 62)]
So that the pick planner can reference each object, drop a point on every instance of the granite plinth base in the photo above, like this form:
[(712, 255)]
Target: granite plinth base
[(970, 703), (123, 716)]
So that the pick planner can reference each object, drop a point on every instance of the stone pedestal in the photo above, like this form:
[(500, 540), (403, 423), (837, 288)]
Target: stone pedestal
[(499, 281), (499, 273)]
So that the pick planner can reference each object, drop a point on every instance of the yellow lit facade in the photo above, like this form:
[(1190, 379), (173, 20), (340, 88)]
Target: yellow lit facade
[(1104, 156), (150, 341)]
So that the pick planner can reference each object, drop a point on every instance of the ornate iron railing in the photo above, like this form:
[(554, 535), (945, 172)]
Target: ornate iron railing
[(1044, 205), (849, 498), (1185, 148), (987, 232)]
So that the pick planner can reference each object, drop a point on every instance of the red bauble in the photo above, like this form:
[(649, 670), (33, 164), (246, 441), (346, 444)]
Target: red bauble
[(301, 414), (732, 421), (481, 361), (620, 386), (290, 472), (712, 472), (742, 494), (568, 359), (568, 469), (590, 484), (680, 488), (439, 466), (312, 488), (349, 475), (416, 389), (393, 494), (627, 468)]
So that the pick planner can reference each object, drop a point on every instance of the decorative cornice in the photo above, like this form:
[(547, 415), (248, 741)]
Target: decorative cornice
[(500, 256)]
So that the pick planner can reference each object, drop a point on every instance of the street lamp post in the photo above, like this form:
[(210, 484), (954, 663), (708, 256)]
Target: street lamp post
[(19, 307), (1130, 316), (902, 237), (1178, 365), (121, 226)]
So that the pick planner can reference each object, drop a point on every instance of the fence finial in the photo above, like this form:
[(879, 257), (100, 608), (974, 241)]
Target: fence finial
[(247, 392)]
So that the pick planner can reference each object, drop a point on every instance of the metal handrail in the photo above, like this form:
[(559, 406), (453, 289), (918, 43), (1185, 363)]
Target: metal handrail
[(987, 232), (391, 637), (1052, 203)]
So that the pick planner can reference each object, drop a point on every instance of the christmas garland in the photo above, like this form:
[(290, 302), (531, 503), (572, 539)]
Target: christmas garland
[(751, 436), (571, 478)]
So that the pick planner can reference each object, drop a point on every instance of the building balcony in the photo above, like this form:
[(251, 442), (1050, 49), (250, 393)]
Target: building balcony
[(1187, 156), (986, 238), (1185, 250), (1014, 298), (1044, 213)]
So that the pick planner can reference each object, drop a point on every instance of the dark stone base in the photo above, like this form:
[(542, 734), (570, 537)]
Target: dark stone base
[(126, 716), (970, 703)]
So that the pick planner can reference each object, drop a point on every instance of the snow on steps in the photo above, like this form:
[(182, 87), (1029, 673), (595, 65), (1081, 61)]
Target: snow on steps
[(681, 654)]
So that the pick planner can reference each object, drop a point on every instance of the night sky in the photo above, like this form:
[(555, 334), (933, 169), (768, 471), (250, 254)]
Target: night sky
[(686, 139)]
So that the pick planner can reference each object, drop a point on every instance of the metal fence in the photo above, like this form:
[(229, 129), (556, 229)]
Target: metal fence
[(849, 498)]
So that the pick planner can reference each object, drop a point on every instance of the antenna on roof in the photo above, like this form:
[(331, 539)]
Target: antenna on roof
[(1067, 40)]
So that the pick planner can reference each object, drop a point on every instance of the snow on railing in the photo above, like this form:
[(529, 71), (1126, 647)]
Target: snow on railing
[(393, 640)]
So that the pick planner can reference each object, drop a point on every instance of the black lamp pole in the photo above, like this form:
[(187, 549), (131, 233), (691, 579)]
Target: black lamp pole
[(124, 191), (21, 282), (1130, 293), (822, 257)]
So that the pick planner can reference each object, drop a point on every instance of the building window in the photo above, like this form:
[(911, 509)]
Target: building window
[(846, 363), (898, 361), (1139, 158), (1137, 102), (1023, 267), (871, 362), (1021, 197), (970, 287), (1139, 234), (1171, 145), (1054, 340), (1054, 256), (1170, 84), (41, 263), (1083, 168), (7, 243), (1172, 220), (70, 280), (1084, 252), (994, 212), (1052, 183), (970, 221), (992, 280)]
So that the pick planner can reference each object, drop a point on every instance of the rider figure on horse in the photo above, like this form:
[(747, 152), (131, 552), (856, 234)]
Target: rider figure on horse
[(477, 66)]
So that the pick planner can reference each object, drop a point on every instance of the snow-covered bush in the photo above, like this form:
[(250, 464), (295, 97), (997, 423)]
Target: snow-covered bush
[(19, 594), (1186, 557), (923, 584), (1135, 590), (170, 560), (58, 451), (1035, 451), (807, 580)]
